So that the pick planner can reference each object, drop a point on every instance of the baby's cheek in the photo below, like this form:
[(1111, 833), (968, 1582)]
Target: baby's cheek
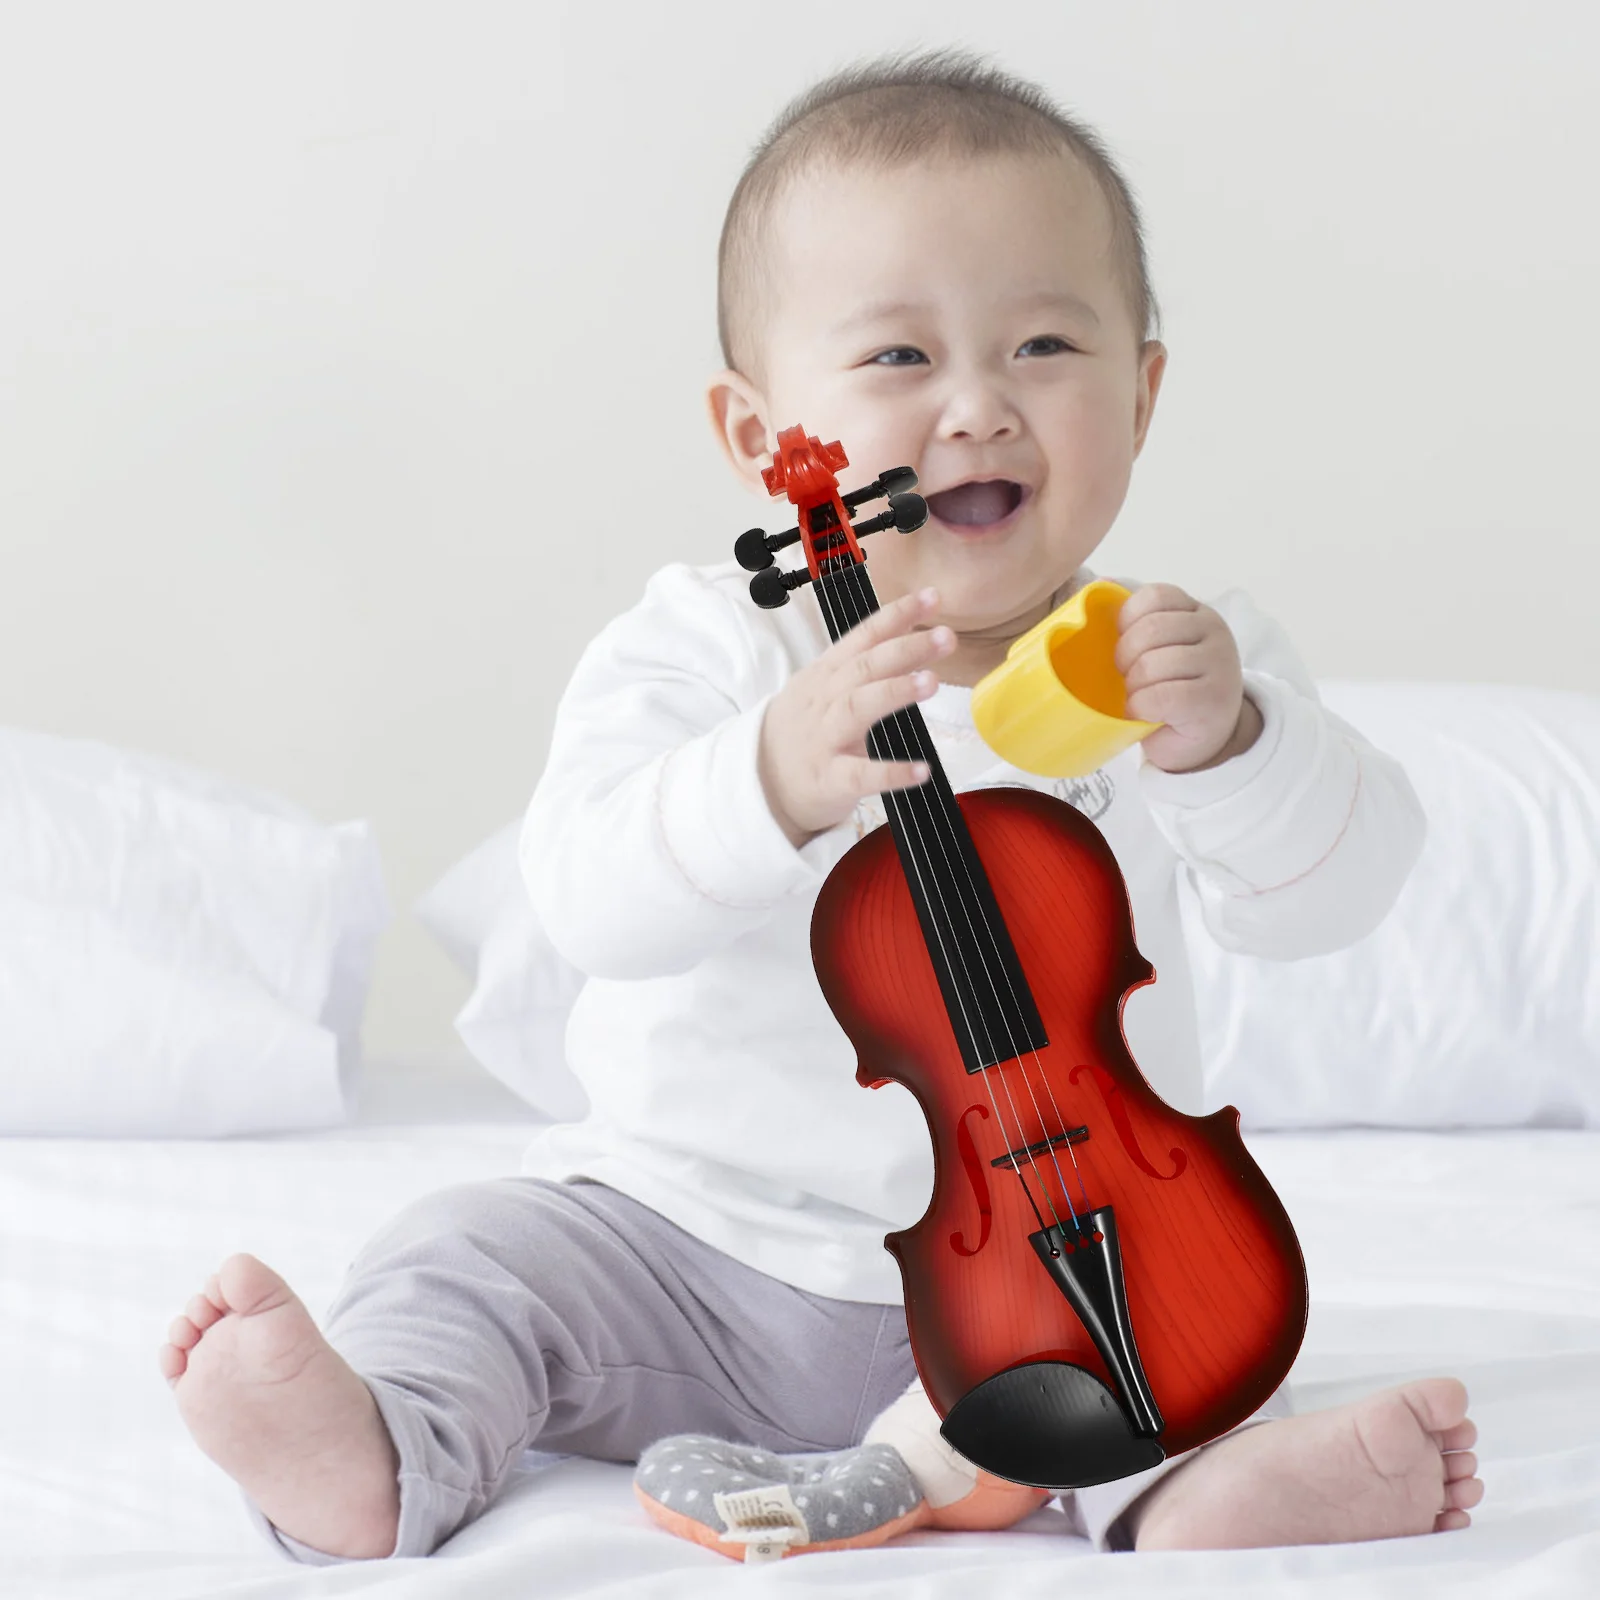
[(1103, 472), (1095, 455)]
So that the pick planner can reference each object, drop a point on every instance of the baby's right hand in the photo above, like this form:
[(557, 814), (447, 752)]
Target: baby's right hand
[(813, 756)]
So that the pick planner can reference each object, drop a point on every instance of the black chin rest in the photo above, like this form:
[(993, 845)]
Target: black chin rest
[(1049, 1424)]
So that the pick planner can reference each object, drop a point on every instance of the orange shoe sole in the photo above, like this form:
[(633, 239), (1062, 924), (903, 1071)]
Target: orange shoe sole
[(993, 1503)]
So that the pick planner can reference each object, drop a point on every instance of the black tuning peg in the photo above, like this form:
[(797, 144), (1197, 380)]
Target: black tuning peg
[(750, 550), (770, 587), (907, 512), (897, 480), (754, 547), (910, 511)]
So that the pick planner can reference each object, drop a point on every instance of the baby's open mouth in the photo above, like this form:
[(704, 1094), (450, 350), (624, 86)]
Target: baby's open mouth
[(977, 505)]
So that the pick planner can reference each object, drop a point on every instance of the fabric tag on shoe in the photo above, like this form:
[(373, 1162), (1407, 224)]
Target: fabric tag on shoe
[(766, 1521)]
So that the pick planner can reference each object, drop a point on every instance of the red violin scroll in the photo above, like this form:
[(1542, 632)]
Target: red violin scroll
[(1099, 1281)]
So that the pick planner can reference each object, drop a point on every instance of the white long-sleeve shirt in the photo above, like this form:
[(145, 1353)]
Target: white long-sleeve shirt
[(722, 1090)]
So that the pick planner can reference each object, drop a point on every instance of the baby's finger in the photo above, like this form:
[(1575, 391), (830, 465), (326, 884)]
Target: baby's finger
[(889, 622), (1170, 701), (870, 703), (1154, 629), (859, 776), (1153, 597), (900, 655), (1168, 664)]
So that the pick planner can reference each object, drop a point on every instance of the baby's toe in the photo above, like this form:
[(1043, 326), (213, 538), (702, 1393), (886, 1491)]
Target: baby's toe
[(1460, 1464), (1439, 1404), (1449, 1521), (1461, 1437), (202, 1312), (250, 1287), (1462, 1494), (183, 1334), (173, 1362)]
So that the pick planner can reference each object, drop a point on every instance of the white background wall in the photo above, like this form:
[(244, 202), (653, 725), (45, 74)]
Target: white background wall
[(351, 356)]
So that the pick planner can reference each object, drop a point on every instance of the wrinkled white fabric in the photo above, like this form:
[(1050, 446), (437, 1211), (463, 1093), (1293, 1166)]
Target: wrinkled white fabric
[(515, 1020), (1419, 1265)]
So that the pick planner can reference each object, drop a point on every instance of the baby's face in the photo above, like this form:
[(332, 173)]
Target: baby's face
[(964, 319)]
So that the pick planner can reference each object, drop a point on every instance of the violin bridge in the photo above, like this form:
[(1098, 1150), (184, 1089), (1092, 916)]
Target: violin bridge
[(1043, 1147)]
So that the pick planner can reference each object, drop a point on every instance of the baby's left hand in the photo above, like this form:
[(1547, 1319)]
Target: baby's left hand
[(1181, 665)]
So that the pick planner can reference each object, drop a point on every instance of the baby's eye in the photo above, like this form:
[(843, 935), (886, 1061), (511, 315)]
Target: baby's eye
[(1046, 339), (882, 359)]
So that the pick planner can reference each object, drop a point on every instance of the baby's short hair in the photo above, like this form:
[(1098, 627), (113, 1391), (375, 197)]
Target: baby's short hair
[(890, 112)]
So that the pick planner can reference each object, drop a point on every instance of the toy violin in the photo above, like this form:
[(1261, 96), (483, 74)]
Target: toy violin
[(1099, 1281)]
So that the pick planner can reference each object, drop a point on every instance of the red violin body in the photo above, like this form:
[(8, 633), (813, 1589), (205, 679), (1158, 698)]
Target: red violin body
[(1214, 1280), (1099, 1281)]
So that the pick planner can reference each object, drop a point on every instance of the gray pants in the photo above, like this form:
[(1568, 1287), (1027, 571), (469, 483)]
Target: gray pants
[(490, 1317)]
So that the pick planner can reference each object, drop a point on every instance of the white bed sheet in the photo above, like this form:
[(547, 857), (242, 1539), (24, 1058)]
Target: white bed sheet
[(1477, 1254)]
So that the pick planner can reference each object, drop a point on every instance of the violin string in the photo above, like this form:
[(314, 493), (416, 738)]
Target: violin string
[(838, 626), (1018, 1145), (1015, 1143), (943, 828), (905, 803)]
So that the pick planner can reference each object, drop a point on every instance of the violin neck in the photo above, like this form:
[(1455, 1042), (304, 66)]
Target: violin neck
[(986, 995)]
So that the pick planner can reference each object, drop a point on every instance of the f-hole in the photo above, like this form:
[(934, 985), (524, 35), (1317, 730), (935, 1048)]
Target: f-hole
[(978, 1178)]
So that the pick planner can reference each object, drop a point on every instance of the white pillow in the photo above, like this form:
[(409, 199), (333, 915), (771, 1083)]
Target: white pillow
[(1476, 1003), (180, 956), (515, 1021)]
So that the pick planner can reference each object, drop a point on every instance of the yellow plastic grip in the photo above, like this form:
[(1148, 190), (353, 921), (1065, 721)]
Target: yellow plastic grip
[(1055, 705)]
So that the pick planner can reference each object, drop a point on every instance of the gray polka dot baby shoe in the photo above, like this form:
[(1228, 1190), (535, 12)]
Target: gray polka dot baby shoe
[(753, 1505)]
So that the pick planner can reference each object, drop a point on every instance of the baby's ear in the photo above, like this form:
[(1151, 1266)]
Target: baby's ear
[(738, 413), (1152, 368)]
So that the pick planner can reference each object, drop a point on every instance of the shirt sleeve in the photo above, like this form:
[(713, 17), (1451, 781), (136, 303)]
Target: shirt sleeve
[(1301, 844), (649, 842)]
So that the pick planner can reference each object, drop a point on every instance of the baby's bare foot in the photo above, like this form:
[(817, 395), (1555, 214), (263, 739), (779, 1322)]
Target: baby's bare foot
[(1392, 1464), (282, 1413)]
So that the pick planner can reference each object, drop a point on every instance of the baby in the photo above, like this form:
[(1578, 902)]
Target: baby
[(930, 262)]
